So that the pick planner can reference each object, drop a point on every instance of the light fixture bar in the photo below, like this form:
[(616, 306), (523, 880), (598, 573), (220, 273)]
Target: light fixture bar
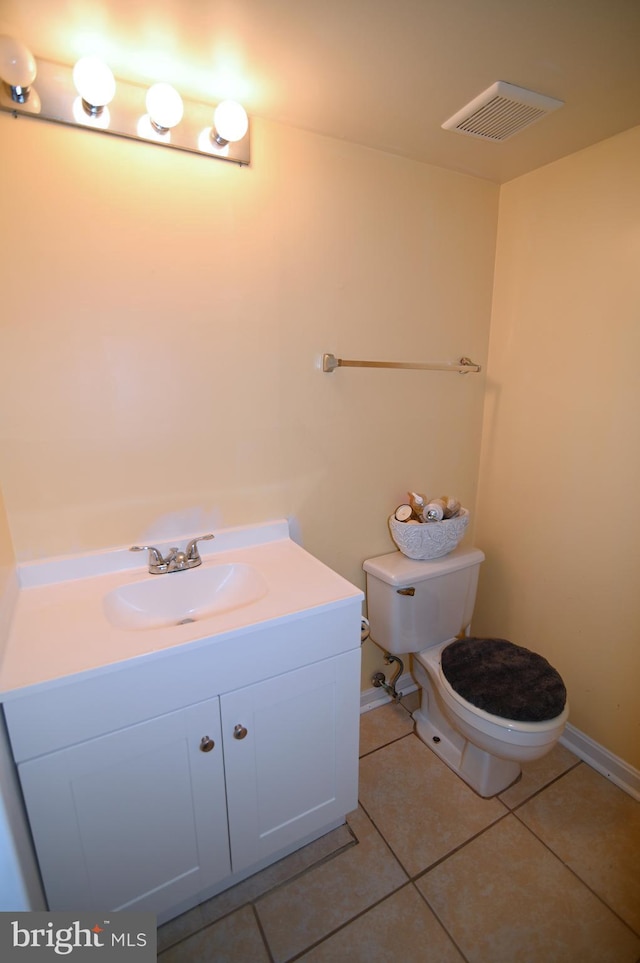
[(53, 97)]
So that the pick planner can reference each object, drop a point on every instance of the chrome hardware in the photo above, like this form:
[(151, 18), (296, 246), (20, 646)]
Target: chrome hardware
[(191, 551), (157, 565), (406, 591), (239, 732), (176, 561), (206, 744), (378, 678)]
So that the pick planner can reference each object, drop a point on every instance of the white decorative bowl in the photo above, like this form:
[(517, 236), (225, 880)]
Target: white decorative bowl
[(429, 539)]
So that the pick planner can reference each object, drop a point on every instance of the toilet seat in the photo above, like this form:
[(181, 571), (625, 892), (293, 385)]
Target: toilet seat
[(525, 735), (504, 680)]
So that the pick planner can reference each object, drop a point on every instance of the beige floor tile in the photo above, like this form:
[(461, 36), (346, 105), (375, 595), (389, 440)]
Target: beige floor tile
[(289, 867), (235, 939), (383, 725), (538, 774), (400, 928), (594, 827), (304, 911), (505, 897), (421, 807)]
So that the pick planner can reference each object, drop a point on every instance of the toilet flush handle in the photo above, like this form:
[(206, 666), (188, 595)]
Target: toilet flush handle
[(407, 591)]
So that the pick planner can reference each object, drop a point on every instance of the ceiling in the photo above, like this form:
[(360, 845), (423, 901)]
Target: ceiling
[(382, 73)]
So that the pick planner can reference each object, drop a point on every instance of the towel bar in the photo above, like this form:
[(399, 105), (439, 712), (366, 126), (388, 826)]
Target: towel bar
[(464, 366)]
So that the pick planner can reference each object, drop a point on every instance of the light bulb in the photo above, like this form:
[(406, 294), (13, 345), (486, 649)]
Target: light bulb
[(17, 67), (230, 122), (165, 106), (95, 83)]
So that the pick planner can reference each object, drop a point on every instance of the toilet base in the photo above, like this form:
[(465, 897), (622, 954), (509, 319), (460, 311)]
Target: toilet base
[(486, 774)]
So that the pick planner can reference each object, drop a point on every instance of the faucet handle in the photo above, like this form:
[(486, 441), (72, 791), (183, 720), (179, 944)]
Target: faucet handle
[(191, 550), (157, 564), (155, 555)]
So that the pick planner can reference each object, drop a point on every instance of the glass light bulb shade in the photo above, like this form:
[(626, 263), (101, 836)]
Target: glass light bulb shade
[(165, 106), (230, 120), (94, 81), (17, 63)]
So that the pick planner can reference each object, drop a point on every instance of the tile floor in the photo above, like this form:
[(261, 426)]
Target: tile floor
[(428, 872)]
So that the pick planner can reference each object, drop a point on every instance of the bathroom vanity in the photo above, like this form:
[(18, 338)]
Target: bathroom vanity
[(161, 763)]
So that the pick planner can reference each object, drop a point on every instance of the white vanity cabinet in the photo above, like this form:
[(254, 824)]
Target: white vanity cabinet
[(165, 812), (164, 759)]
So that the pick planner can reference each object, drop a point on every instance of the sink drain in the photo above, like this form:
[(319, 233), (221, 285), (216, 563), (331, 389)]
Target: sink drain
[(185, 621)]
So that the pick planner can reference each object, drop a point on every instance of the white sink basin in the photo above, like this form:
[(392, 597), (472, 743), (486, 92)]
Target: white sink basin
[(181, 597)]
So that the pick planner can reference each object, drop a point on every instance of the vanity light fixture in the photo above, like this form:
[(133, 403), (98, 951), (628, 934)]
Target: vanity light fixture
[(87, 96)]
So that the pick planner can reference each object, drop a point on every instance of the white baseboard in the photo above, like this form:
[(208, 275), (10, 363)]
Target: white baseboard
[(606, 763), (617, 770), (374, 697)]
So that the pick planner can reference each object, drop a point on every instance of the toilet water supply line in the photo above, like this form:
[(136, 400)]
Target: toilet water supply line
[(378, 679)]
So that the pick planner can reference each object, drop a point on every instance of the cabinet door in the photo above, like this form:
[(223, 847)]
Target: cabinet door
[(292, 765), (131, 820)]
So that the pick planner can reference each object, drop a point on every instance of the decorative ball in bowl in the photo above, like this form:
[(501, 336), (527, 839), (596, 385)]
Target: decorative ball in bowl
[(429, 539)]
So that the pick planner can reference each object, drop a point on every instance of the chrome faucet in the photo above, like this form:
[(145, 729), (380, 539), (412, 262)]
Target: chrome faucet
[(176, 561)]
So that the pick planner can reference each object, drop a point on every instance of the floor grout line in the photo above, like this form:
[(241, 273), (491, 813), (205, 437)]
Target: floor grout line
[(440, 921), (461, 846), (538, 792), (342, 926), (256, 917)]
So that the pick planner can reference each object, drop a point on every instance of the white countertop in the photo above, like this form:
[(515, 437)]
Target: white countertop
[(60, 628)]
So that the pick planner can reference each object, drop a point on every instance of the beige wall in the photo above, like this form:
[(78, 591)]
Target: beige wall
[(8, 582), (7, 560), (164, 316), (558, 511)]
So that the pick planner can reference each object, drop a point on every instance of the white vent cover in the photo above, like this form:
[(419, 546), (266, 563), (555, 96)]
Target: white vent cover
[(501, 111)]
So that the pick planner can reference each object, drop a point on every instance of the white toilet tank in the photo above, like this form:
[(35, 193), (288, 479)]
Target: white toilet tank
[(412, 605)]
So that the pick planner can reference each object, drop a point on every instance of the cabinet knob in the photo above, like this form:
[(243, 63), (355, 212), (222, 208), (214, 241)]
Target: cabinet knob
[(206, 744), (239, 732)]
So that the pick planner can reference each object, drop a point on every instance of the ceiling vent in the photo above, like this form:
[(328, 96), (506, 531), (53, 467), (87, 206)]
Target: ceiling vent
[(501, 111)]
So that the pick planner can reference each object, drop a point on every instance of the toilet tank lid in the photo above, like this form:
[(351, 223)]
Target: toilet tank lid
[(396, 569)]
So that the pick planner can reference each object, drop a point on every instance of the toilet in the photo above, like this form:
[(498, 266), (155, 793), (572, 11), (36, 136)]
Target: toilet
[(487, 705)]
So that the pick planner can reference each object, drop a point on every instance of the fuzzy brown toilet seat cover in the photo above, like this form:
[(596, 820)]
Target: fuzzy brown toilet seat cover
[(504, 679)]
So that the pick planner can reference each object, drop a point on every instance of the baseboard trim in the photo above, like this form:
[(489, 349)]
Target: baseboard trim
[(606, 763), (374, 697)]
